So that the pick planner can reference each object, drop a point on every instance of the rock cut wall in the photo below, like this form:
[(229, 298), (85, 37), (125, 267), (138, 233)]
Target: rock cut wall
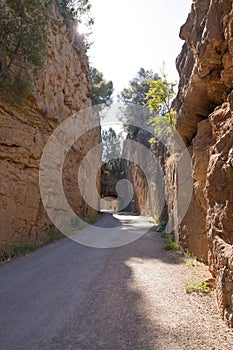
[(204, 106), (61, 89)]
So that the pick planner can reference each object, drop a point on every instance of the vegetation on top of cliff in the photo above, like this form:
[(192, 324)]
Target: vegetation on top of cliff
[(75, 9), (23, 37), (79, 12)]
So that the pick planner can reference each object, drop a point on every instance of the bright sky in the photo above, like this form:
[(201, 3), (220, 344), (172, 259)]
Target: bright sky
[(129, 34)]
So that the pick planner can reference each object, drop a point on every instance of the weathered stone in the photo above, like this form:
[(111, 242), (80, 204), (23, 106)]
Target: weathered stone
[(204, 81), (62, 89), (205, 93)]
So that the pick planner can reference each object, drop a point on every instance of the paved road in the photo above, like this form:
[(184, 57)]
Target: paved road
[(69, 296)]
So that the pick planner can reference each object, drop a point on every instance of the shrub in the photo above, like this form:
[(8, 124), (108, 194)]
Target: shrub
[(160, 227), (192, 286), (171, 244)]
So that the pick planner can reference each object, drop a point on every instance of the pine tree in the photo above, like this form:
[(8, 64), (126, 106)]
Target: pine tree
[(23, 36)]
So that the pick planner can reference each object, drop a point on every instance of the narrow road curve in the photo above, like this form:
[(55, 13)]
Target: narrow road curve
[(71, 297)]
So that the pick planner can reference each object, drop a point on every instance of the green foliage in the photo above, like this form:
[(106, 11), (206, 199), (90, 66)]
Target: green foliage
[(23, 248), (193, 285), (188, 255), (150, 219), (134, 95), (102, 89), (111, 151), (160, 227), (138, 88), (23, 28), (158, 100), (192, 263), (171, 244), (160, 95), (153, 219), (75, 10), (79, 12), (52, 235)]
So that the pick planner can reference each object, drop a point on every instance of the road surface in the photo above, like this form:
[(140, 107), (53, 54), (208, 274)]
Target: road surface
[(67, 296)]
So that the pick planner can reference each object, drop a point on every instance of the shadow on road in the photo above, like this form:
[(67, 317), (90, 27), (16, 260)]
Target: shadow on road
[(115, 315), (68, 296)]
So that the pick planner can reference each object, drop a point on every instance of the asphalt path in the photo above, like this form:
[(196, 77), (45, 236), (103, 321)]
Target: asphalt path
[(70, 296)]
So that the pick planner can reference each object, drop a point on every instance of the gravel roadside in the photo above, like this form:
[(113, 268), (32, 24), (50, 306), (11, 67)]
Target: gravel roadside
[(139, 302)]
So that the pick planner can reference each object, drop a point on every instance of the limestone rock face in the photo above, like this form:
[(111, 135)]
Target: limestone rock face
[(61, 89), (205, 63), (148, 196), (219, 193), (204, 107), (134, 174)]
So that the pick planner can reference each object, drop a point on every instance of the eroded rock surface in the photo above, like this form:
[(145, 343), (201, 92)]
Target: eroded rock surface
[(62, 88), (204, 107)]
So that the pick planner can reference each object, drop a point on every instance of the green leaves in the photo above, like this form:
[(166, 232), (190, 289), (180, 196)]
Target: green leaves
[(23, 28), (111, 151), (158, 100), (75, 10), (79, 12), (102, 89), (134, 95), (138, 87)]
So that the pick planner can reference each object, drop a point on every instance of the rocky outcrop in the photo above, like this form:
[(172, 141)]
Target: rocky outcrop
[(135, 175), (61, 89), (140, 170), (205, 64), (204, 107), (219, 194)]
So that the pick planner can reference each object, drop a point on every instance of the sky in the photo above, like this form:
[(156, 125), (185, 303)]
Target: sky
[(130, 34)]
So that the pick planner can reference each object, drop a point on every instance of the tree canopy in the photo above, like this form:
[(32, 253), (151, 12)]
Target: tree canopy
[(138, 88), (132, 97), (102, 89), (23, 36), (111, 151), (76, 10), (79, 12), (159, 101)]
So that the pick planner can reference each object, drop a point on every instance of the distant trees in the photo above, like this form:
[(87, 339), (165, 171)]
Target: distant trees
[(135, 95), (102, 89), (112, 143), (138, 87), (150, 90)]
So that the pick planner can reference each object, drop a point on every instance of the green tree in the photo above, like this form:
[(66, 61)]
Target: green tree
[(76, 10), (23, 36), (79, 12), (132, 97), (102, 89), (159, 101), (138, 88), (111, 151)]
